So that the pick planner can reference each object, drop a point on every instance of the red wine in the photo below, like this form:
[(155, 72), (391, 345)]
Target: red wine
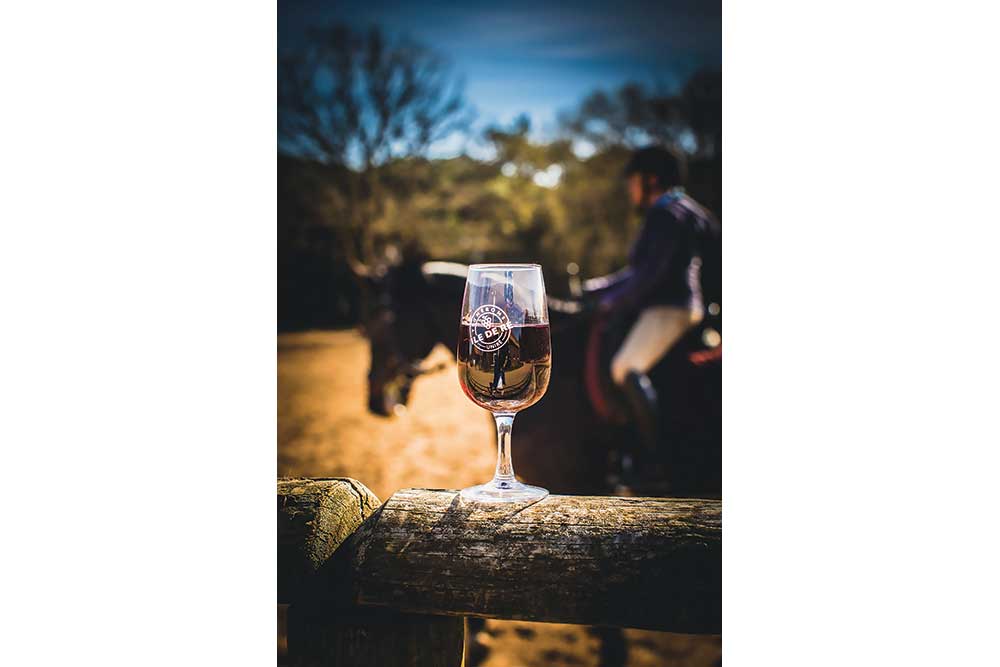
[(504, 375)]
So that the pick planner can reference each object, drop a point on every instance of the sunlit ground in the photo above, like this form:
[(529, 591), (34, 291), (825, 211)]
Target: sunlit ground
[(325, 429), (443, 441)]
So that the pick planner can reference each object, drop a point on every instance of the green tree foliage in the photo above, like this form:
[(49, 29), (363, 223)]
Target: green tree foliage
[(474, 211)]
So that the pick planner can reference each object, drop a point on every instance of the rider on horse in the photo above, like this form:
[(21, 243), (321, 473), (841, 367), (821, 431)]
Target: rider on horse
[(662, 282)]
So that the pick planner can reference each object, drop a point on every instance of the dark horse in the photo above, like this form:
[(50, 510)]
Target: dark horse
[(560, 443)]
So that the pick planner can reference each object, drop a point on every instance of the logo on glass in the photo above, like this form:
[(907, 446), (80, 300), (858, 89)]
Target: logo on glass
[(489, 328)]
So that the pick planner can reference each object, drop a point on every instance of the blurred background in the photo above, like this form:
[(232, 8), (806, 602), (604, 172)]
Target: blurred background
[(468, 133)]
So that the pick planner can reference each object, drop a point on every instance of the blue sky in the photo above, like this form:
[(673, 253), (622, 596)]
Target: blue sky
[(538, 57)]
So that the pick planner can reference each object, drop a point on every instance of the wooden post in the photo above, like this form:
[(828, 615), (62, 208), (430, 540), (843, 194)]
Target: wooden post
[(653, 563), (315, 517)]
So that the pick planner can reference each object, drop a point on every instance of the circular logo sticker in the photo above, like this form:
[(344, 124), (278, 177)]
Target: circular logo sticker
[(489, 328)]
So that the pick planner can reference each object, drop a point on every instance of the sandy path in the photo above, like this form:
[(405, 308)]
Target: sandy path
[(325, 429), (444, 441)]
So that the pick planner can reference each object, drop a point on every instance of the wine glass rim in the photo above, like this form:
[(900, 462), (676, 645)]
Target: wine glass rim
[(506, 267)]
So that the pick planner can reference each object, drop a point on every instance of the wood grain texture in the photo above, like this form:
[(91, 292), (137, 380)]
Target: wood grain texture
[(324, 628), (651, 563), (315, 516)]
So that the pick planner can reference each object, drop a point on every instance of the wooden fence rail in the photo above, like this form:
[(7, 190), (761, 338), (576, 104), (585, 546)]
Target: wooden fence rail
[(397, 577)]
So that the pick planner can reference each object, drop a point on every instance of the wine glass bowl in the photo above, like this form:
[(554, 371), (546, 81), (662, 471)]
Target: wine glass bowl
[(504, 360)]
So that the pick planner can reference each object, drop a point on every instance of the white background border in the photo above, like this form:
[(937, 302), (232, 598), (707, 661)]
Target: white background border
[(138, 272)]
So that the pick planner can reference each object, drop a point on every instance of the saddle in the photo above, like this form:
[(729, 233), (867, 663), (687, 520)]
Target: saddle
[(602, 341), (605, 337)]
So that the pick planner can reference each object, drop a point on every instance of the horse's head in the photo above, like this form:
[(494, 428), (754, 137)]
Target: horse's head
[(400, 329)]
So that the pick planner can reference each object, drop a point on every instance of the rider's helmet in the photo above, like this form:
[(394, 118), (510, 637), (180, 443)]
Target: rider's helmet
[(667, 165)]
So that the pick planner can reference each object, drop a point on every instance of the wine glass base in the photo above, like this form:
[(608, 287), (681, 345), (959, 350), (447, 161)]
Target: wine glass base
[(504, 492)]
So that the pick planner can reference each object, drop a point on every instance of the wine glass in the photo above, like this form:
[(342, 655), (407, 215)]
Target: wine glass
[(504, 358)]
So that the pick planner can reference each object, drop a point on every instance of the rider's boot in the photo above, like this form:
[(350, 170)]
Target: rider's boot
[(644, 407), (650, 462)]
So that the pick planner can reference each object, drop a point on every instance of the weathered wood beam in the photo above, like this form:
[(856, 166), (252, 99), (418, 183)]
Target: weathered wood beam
[(315, 516), (324, 627), (651, 563)]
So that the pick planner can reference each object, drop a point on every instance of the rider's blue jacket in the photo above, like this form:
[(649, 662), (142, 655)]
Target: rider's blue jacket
[(666, 259)]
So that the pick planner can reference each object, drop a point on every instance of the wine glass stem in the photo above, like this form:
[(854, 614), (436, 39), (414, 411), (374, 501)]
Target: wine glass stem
[(505, 467)]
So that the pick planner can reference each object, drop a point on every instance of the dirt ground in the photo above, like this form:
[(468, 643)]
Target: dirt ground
[(443, 441)]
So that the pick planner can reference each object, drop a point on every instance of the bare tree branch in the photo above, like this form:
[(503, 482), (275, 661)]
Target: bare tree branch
[(633, 116), (361, 101)]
